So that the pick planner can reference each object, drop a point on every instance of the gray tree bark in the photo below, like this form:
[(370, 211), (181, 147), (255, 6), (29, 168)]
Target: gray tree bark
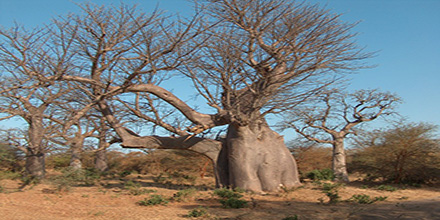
[(339, 164), (75, 160), (258, 159), (101, 160), (35, 163)]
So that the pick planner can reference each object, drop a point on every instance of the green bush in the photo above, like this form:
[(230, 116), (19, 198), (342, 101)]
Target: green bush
[(295, 217), (58, 160), (124, 173), (71, 177), (331, 190), (153, 200), (197, 212), (324, 174), (234, 203), (386, 188), (136, 189), (184, 194), (227, 193), (11, 159), (10, 175), (231, 198), (366, 199)]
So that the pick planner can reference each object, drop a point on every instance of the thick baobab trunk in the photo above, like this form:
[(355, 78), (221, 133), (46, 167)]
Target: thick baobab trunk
[(339, 164), (257, 160), (251, 159)]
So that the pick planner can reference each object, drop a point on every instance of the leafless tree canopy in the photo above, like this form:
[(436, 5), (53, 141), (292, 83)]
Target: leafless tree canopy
[(246, 58), (266, 56), (334, 114)]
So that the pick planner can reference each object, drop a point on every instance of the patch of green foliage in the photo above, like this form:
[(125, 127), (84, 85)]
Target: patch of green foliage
[(324, 174), (197, 212), (366, 199), (184, 194), (234, 203), (295, 217), (135, 188), (231, 198), (386, 188), (71, 177), (124, 173), (153, 200), (331, 190), (9, 175)]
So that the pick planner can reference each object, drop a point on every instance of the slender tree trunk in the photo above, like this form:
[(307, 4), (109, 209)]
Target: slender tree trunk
[(101, 153), (101, 160), (75, 160), (256, 159), (35, 163), (339, 164)]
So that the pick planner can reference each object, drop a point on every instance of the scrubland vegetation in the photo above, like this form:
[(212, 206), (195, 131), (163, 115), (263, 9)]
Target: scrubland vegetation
[(107, 75), (171, 178)]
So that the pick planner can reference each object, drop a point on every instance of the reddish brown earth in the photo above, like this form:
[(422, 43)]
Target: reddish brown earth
[(110, 200)]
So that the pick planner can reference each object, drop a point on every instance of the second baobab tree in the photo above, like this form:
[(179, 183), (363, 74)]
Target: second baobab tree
[(334, 115)]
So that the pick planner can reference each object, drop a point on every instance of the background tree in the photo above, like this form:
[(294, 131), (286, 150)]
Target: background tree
[(334, 115), (76, 121), (246, 58), (406, 153), (24, 56)]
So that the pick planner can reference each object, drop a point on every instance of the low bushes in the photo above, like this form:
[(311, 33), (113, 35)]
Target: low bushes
[(231, 198)]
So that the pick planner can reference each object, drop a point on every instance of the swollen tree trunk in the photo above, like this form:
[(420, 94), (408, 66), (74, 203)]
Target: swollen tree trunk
[(252, 158), (257, 159), (339, 164)]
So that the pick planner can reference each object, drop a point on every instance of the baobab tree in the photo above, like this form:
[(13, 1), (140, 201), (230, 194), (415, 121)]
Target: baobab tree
[(334, 115), (23, 57), (246, 58)]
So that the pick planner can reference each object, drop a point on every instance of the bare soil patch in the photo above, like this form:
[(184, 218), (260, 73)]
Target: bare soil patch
[(110, 200)]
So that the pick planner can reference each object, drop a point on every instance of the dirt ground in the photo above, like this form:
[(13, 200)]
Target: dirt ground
[(110, 200)]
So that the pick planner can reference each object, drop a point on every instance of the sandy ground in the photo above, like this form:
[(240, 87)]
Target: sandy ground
[(111, 201)]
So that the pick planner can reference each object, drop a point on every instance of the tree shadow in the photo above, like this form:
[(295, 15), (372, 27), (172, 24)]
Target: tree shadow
[(269, 209), (149, 181)]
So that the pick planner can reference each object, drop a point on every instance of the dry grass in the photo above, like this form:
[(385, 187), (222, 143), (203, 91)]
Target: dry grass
[(110, 199)]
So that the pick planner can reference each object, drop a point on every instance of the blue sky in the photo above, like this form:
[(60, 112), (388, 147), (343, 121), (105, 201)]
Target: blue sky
[(405, 34)]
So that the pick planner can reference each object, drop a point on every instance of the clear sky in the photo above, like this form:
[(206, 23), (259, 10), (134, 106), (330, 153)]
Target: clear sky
[(405, 34)]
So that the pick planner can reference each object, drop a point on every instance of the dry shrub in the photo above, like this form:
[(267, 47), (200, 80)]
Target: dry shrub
[(160, 161), (407, 153), (11, 159), (57, 160), (312, 157)]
